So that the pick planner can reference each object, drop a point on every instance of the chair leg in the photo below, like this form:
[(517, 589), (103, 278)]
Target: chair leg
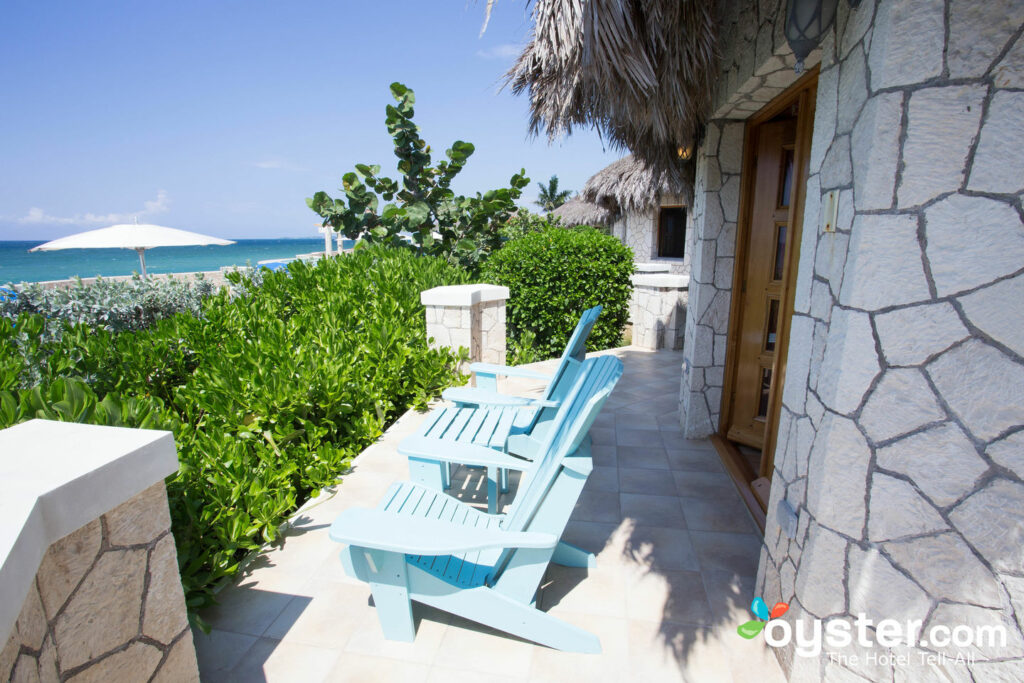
[(389, 585), (430, 473), (503, 475), (568, 555), (492, 490)]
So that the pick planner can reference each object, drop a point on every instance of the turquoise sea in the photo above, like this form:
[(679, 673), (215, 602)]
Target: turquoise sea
[(18, 265)]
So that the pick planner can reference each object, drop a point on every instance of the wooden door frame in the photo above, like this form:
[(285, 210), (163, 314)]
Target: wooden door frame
[(803, 93)]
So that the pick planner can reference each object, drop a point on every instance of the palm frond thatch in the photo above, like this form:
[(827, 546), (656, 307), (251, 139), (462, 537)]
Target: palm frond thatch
[(632, 185), (637, 70), (577, 211)]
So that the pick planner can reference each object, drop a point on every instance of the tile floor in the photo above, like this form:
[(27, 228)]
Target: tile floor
[(677, 555)]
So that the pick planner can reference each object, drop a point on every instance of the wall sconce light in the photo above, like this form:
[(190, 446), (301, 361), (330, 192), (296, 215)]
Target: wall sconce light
[(806, 23)]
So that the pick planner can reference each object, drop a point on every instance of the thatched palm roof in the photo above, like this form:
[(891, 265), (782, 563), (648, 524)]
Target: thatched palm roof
[(578, 211), (632, 185), (637, 70)]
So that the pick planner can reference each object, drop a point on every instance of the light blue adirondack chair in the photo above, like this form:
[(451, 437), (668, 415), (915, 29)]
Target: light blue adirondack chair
[(482, 416), (421, 545), (485, 392)]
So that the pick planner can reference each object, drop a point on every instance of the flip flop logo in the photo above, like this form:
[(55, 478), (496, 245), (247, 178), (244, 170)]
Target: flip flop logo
[(760, 610)]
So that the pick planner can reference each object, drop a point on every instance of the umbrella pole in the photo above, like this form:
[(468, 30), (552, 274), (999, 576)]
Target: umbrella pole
[(142, 260)]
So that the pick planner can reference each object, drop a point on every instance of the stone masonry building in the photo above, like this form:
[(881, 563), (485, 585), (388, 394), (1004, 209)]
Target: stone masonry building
[(897, 480)]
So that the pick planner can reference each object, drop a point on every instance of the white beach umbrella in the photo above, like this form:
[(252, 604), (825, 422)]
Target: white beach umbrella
[(131, 236)]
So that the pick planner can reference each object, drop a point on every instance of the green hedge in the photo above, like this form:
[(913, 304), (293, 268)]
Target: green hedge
[(553, 276), (268, 394)]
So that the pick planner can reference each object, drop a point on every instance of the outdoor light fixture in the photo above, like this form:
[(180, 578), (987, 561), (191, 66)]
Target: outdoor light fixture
[(806, 23)]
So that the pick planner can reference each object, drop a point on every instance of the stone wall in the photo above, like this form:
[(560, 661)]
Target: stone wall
[(902, 425), (756, 66), (900, 437), (106, 604)]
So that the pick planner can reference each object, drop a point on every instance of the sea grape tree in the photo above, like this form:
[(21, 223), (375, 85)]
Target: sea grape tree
[(421, 205)]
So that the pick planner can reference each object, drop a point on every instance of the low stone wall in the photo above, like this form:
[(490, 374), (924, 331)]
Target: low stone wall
[(107, 604), (87, 553), (658, 310)]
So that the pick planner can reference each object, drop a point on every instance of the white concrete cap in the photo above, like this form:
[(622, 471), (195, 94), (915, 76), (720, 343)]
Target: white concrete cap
[(641, 268), (463, 295), (56, 477), (661, 280)]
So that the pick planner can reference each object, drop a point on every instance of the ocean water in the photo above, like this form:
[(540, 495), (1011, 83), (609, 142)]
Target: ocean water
[(18, 265)]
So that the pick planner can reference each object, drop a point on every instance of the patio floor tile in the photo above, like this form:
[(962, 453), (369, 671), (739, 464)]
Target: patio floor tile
[(356, 668), (219, 651), (708, 514), (650, 457), (718, 550), (652, 510), (477, 648), (694, 461), (273, 660), (637, 480), (714, 485), (658, 548), (583, 591), (669, 596), (326, 620)]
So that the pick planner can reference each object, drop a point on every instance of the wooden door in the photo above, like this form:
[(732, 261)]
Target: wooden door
[(762, 282)]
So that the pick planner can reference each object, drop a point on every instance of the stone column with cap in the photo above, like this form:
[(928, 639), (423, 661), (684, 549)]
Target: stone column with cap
[(468, 316)]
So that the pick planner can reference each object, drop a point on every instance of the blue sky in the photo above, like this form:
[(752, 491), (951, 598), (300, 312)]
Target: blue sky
[(221, 117)]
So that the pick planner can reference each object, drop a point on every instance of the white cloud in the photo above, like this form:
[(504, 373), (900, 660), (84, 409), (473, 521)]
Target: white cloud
[(503, 51), (151, 207), (278, 164)]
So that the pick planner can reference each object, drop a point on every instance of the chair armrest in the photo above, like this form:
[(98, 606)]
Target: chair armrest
[(491, 369), (492, 398), (382, 530), (423, 447)]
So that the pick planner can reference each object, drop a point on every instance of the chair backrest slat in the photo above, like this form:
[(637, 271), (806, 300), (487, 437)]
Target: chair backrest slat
[(572, 357), (594, 382)]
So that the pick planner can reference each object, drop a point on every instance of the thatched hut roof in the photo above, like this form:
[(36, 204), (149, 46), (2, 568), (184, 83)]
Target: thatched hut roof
[(632, 185), (638, 70), (577, 211)]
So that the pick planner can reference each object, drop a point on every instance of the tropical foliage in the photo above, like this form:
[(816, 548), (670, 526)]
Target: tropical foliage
[(553, 276), (421, 205), (550, 197), (115, 305), (268, 394), (524, 222)]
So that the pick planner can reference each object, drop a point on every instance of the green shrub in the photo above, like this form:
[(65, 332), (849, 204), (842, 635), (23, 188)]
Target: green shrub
[(268, 394), (556, 274), (116, 305)]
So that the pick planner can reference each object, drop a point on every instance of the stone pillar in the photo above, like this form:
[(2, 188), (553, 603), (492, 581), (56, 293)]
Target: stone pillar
[(643, 269), (468, 316), (660, 313), (89, 584)]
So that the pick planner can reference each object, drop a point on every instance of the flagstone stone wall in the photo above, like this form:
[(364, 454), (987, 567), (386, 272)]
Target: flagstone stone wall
[(106, 604), (901, 439)]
